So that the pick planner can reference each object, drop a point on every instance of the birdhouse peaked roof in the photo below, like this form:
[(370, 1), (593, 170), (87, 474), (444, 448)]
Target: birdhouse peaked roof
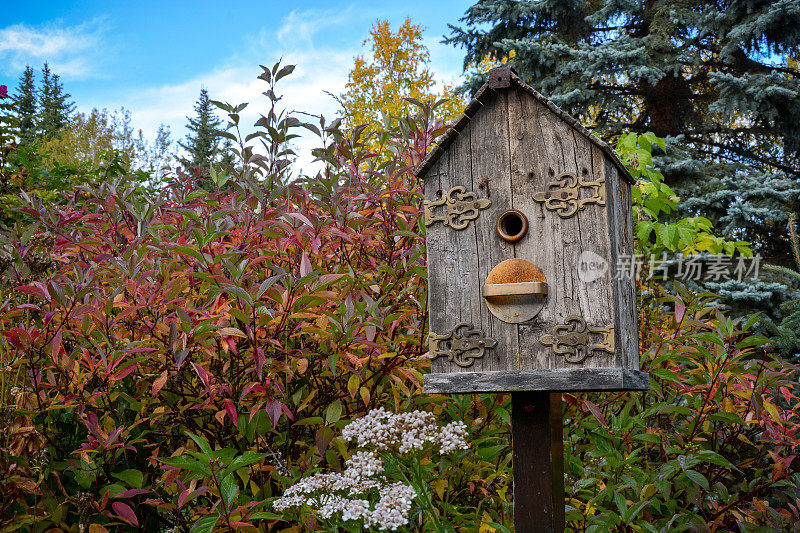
[(505, 78)]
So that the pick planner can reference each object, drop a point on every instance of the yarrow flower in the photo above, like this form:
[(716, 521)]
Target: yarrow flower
[(351, 495), (344, 494), (452, 437), (391, 511), (404, 432)]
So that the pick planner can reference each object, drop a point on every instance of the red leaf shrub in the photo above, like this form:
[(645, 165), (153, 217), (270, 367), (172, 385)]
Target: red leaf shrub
[(250, 313)]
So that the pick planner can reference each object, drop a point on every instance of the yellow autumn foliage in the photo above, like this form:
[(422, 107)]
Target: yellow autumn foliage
[(397, 67)]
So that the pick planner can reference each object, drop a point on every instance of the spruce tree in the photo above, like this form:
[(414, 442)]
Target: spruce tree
[(25, 106), (719, 80), (786, 333), (202, 145), (55, 107)]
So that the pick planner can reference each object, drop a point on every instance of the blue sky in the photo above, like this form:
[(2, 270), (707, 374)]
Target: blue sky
[(153, 57)]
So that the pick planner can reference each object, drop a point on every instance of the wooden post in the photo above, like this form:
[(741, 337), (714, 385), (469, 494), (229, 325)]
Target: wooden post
[(538, 462)]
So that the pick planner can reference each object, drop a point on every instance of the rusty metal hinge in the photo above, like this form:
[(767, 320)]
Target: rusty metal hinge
[(461, 345), (460, 207), (571, 339), (564, 194)]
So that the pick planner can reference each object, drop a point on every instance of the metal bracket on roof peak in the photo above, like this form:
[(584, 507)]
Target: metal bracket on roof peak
[(500, 78)]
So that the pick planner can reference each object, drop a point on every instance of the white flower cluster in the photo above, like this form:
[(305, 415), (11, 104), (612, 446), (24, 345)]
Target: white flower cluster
[(404, 432), (334, 493), (363, 464), (452, 437), (392, 508), (349, 494)]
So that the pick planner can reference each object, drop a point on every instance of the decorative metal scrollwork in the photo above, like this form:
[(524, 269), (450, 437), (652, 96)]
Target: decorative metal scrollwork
[(571, 340), (564, 194), (460, 207), (461, 345)]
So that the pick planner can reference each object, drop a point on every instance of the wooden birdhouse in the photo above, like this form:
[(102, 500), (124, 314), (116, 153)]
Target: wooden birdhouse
[(530, 242)]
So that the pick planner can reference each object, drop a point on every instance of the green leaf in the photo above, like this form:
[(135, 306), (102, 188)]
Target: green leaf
[(710, 337), (186, 463), (751, 321), (698, 478), (188, 250), (664, 373), (709, 456), (309, 421), (634, 511), (134, 478), (196, 194), (755, 340), (622, 505), (266, 284), (644, 142), (647, 437), (334, 412), (202, 444), (247, 458), (205, 524), (229, 489), (112, 490), (84, 478), (728, 418), (643, 230), (240, 292)]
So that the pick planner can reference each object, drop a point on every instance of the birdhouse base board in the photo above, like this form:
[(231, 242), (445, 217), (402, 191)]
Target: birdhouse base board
[(556, 380)]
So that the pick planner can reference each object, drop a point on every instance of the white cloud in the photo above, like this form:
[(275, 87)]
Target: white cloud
[(303, 39), (71, 51), (320, 68)]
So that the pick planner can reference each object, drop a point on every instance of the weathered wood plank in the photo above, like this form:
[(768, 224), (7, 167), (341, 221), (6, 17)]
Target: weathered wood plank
[(542, 148), (620, 218), (436, 238), (530, 167), (491, 169), (595, 295), (629, 314), (559, 379), (453, 295)]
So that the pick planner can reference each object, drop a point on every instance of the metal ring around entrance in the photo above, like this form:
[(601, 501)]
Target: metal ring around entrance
[(512, 225)]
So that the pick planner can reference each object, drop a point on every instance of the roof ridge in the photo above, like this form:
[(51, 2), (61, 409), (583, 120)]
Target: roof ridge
[(502, 78)]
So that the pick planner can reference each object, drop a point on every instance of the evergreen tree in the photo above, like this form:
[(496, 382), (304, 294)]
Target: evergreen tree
[(55, 107), (719, 80), (202, 145), (26, 107), (227, 158), (786, 333)]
